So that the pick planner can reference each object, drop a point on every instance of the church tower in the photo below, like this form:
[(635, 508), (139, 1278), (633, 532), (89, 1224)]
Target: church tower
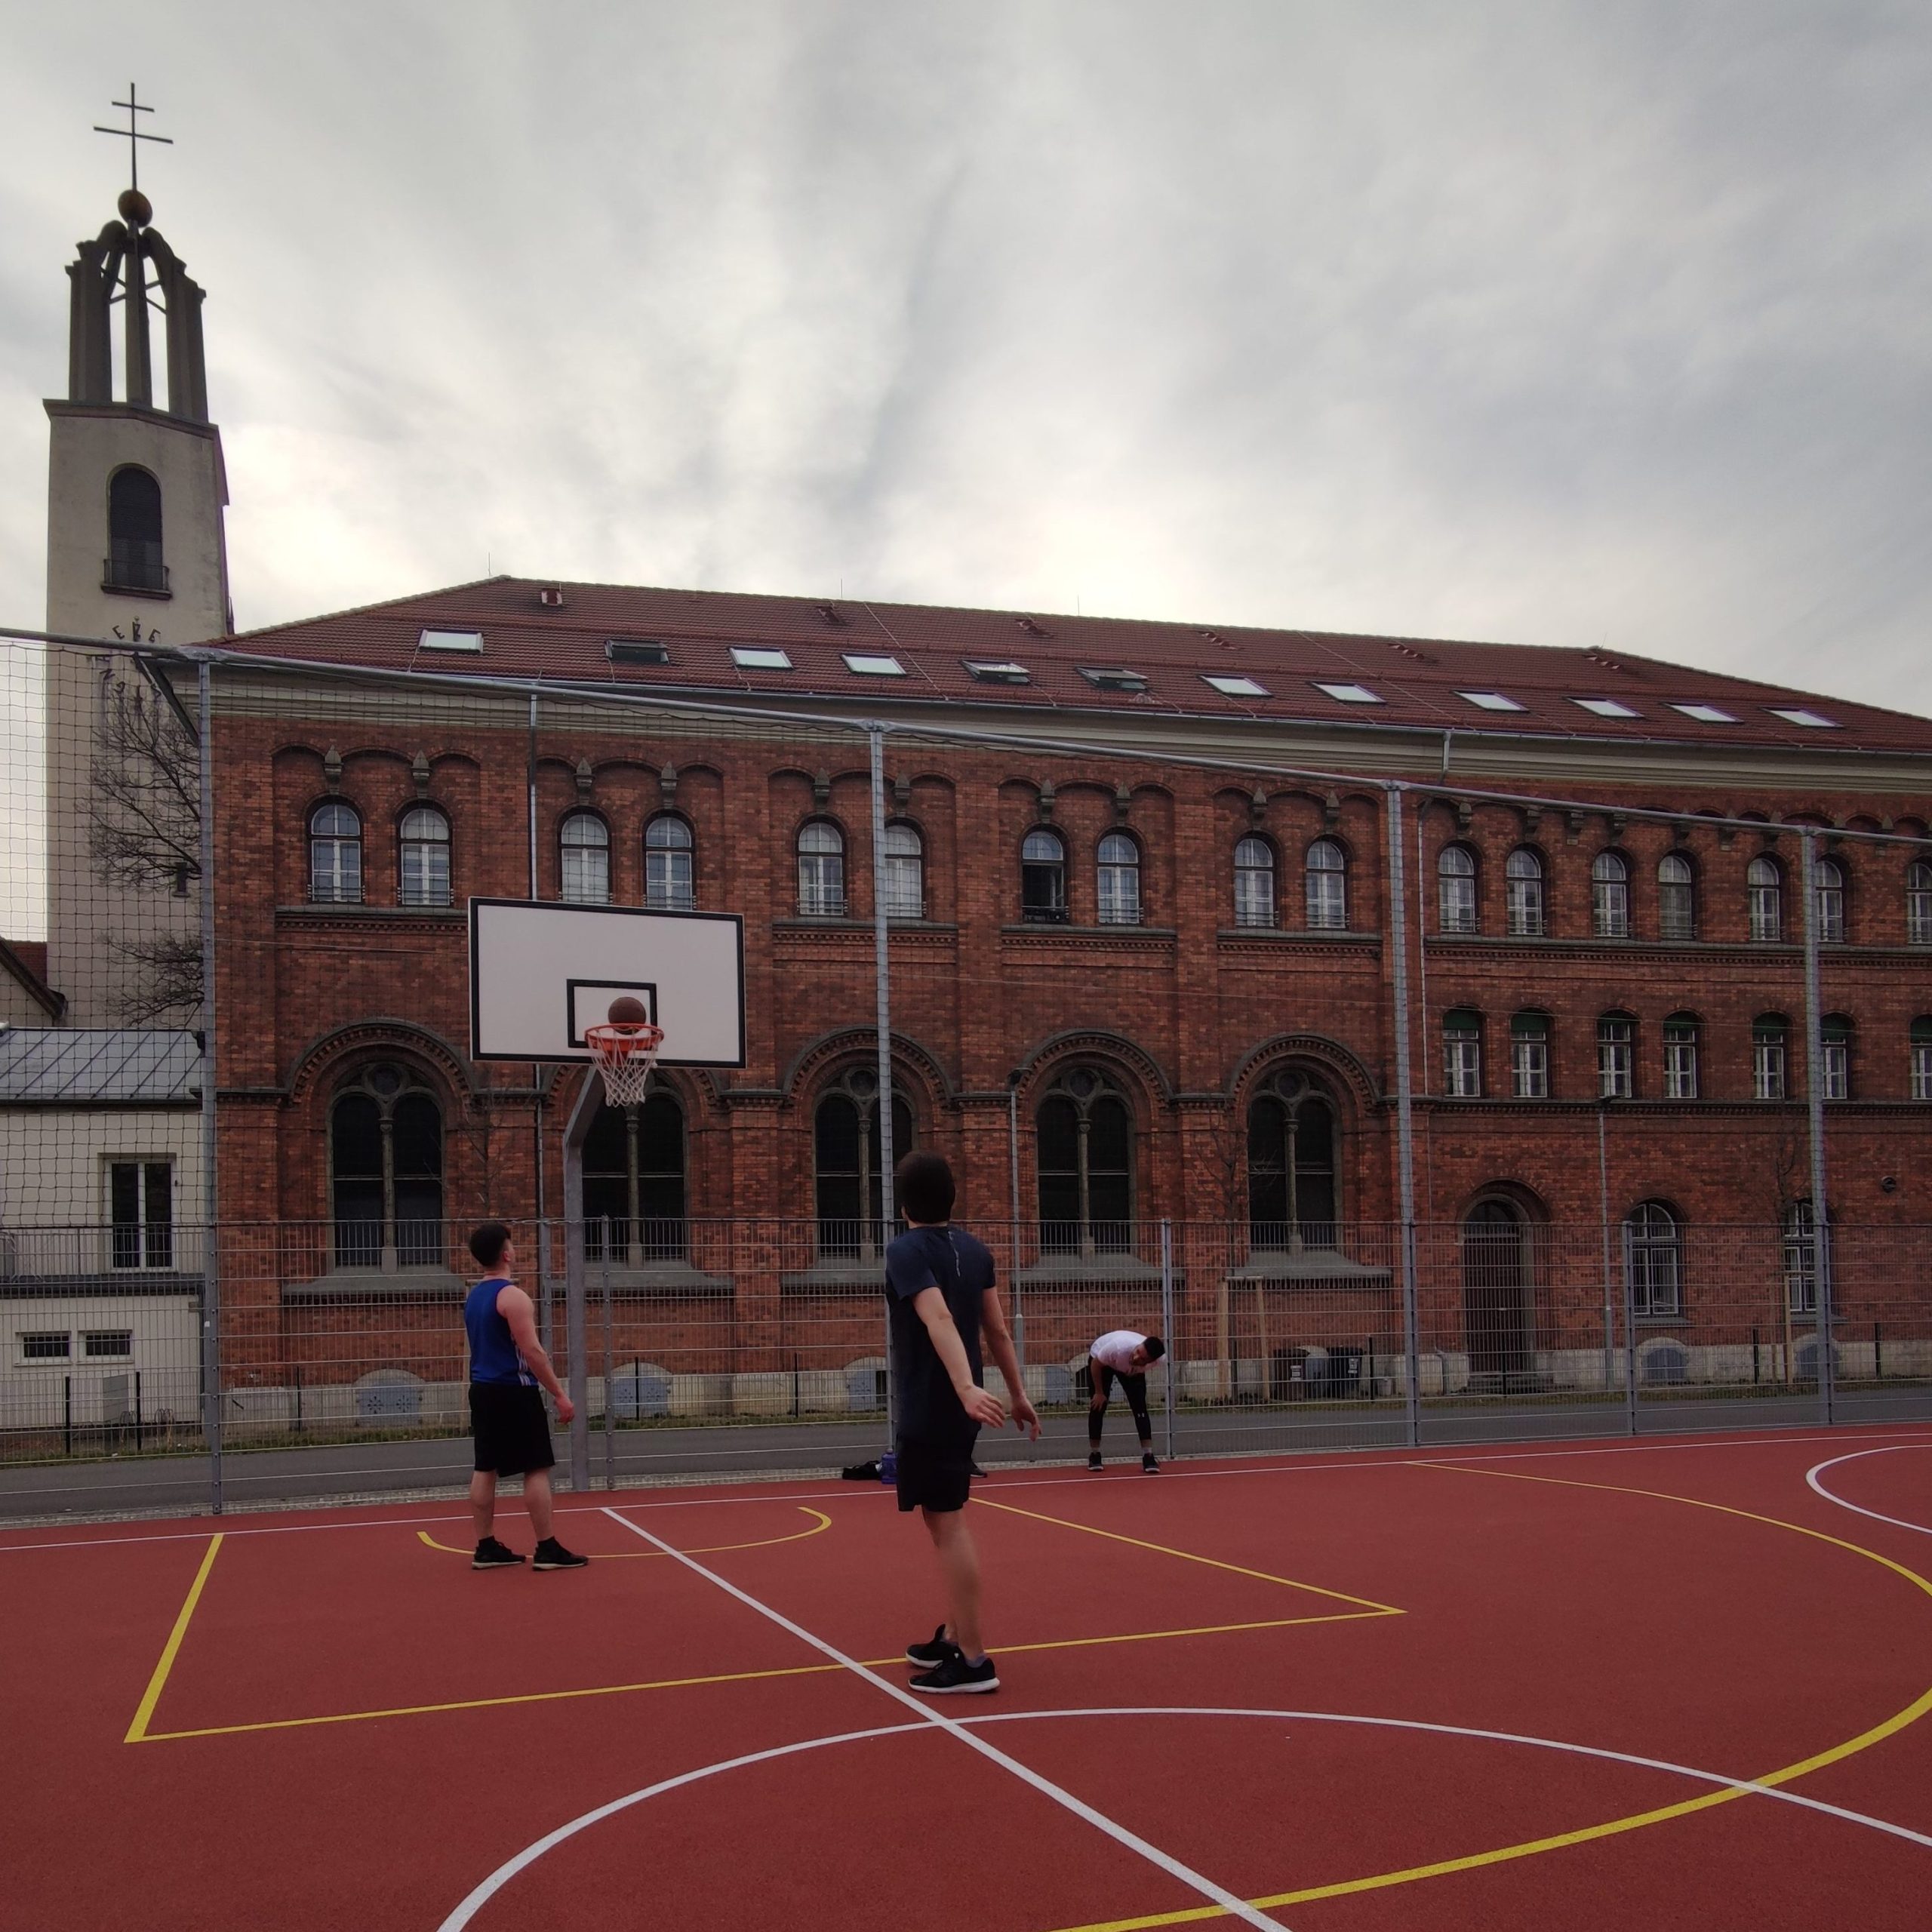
[(135, 550)]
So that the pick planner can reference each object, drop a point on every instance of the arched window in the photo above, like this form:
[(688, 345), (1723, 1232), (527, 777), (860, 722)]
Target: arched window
[(1461, 1054), (1456, 890), (1254, 882), (1616, 1056), (1522, 873), (385, 1171), (1680, 1057), (668, 855), (821, 870), (1676, 897), (1921, 1058), (1327, 886), (845, 1137), (1769, 1034), (1496, 1301), (335, 854), (1291, 1165), (634, 1183), (1119, 880), (1800, 1256), (1763, 884), (1655, 1249), (133, 533), (423, 878), (1529, 1056), (1918, 904), (1827, 881), (905, 871), (585, 840), (1835, 1037), (1043, 878), (1610, 896), (1085, 1150)]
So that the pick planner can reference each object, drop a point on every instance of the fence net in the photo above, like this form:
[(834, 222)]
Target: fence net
[(1145, 999)]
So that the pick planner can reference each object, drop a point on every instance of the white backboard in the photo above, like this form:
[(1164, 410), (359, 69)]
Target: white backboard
[(539, 973)]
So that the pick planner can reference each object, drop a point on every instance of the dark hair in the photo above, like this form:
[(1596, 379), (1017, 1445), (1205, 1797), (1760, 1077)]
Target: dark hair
[(923, 1184), (1155, 1347), (488, 1242)]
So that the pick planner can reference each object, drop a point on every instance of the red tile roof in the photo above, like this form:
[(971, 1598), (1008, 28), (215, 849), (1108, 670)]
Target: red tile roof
[(1419, 680)]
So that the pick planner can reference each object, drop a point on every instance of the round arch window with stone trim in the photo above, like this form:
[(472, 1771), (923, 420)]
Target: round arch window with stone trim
[(1292, 1185), (904, 854), (634, 1181), (1828, 882), (1084, 1150), (821, 870), (1043, 878), (1653, 1247), (1523, 890), (1118, 855), (1763, 886), (1921, 1043), (1456, 890), (1676, 897), (133, 532), (335, 854), (584, 843), (1254, 882), (668, 861), (1610, 896), (850, 1196), (1918, 904), (423, 874), (1326, 878), (386, 1169)]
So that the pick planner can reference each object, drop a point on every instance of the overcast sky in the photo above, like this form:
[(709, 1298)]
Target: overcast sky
[(1558, 323)]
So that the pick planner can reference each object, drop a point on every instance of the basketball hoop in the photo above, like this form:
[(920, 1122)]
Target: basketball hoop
[(625, 1052)]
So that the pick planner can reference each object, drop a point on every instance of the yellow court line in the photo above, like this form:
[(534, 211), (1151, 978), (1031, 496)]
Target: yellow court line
[(1190, 1556), (822, 1522), (138, 1730), (724, 1677), (1611, 1828)]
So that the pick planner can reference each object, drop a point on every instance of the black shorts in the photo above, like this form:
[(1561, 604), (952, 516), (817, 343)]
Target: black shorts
[(935, 1475), (512, 1433)]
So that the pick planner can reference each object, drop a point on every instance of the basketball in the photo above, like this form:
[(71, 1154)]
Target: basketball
[(628, 1011)]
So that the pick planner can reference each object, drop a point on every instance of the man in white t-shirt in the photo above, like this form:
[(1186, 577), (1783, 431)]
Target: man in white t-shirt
[(1122, 1353)]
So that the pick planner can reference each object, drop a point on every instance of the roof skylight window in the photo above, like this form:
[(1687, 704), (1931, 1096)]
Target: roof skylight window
[(760, 657), (637, 650), (1606, 707), (1005, 671), (1489, 700), (1802, 717), (1236, 687), (438, 640), (865, 665), (1113, 677), (1349, 693), (1705, 714)]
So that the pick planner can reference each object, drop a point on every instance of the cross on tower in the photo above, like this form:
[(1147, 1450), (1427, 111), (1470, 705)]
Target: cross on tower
[(132, 134)]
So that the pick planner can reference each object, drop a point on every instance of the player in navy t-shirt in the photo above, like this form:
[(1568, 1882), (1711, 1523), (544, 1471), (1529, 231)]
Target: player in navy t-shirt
[(941, 1302)]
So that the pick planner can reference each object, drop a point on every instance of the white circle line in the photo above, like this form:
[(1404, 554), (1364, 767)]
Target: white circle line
[(464, 1912), (1817, 1469)]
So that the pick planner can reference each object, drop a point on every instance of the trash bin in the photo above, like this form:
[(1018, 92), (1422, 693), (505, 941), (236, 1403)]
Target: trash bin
[(1342, 1369)]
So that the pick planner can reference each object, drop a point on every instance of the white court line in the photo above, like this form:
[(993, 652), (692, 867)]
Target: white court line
[(1812, 1475), (1331, 1461), (524, 1860), (1229, 1902)]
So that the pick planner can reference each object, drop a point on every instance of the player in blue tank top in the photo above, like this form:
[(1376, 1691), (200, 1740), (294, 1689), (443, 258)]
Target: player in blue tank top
[(508, 1369)]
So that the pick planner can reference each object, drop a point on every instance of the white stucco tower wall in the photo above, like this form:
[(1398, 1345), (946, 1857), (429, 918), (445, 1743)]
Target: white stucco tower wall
[(168, 580)]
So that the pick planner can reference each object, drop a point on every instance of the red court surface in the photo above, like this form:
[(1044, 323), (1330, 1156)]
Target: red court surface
[(1508, 1687)]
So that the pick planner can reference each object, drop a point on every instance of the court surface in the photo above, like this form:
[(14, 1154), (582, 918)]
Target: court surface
[(1669, 1684)]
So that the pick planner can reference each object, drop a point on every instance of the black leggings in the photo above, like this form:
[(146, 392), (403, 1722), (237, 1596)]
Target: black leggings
[(1134, 1387)]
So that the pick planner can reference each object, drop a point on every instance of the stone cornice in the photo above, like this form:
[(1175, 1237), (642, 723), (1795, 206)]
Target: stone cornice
[(355, 918)]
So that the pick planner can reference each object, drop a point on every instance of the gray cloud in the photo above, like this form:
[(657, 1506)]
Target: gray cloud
[(1558, 323)]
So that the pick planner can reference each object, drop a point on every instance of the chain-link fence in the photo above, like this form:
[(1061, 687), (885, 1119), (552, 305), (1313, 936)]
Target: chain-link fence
[(1408, 1111)]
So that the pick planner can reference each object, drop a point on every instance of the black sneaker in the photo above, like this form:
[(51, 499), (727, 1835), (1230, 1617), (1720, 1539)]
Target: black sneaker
[(1148, 1467), (490, 1555), (1093, 1458), (551, 1555), (941, 1648), (956, 1674)]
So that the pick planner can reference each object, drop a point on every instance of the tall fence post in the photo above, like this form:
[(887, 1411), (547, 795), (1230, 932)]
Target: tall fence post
[(610, 1370), (882, 985), (1398, 923), (1629, 1338), (211, 1198), (1814, 1098), (1603, 1210), (1013, 1230), (1167, 1325)]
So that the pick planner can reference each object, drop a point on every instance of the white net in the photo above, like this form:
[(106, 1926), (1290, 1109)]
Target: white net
[(625, 1055)]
